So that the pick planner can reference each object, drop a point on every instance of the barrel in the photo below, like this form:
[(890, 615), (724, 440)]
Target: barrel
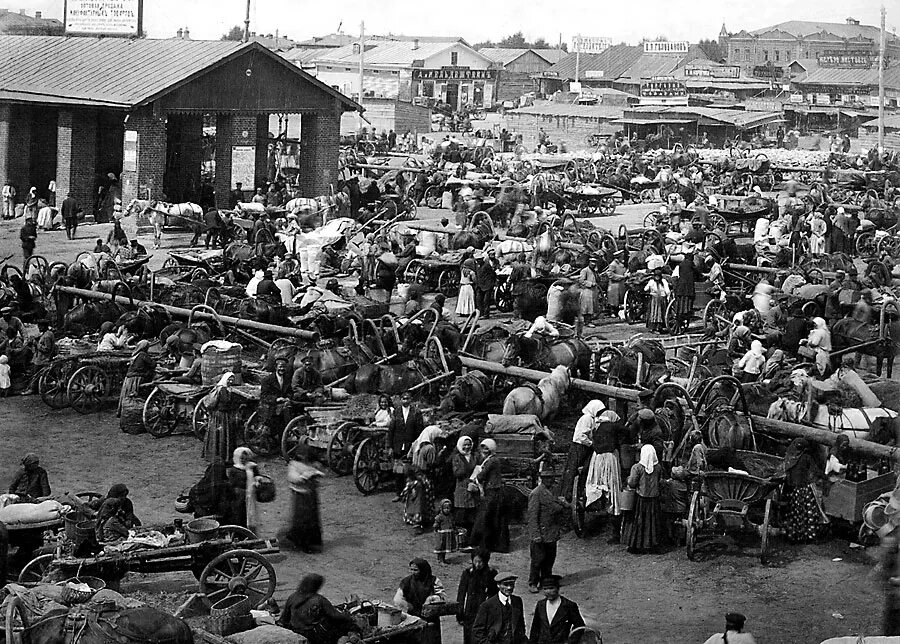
[(200, 530), (218, 359), (71, 521)]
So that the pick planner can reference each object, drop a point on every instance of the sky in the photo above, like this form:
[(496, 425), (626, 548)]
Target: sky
[(479, 20)]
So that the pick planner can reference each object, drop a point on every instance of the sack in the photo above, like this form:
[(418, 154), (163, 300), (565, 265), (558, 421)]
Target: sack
[(807, 352), (388, 259), (26, 513), (265, 489)]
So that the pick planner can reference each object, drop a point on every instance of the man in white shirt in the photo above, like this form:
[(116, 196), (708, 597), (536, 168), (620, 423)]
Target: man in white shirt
[(734, 626), (554, 616), (287, 290)]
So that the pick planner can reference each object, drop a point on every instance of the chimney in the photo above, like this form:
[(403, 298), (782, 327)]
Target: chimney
[(179, 33), (852, 21), (37, 15), (23, 12), (187, 33), (415, 43)]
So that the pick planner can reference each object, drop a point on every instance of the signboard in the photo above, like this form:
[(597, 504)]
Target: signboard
[(728, 71), (823, 99), (593, 73), (129, 158), (243, 165), (760, 105), (450, 73), (663, 88), (796, 97), (575, 87), (104, 17), (874, 101), (768, 71), (591, 44), (847, 61), (666, 47)]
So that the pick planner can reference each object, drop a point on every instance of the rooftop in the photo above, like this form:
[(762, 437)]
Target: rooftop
[(506, 55), (600, 111), (803, 28), (736, 118), (399, 53), (613, 62), (855, 77)]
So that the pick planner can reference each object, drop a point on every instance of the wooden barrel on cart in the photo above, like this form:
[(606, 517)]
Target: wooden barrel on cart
[(218, 358)]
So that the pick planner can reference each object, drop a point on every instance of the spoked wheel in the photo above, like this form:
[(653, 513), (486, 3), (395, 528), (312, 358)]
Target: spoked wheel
[(607, 206), (865, 244), (693, 525), (200, 420), (504, 298), (647, 195), (366, 469), (673, 324), (258, 437), (713, 316), (340, 449), (634, 307), (170, 262), (388, 210), (448, 283), (293, 436), (889, 245), (236, 533), (409, 208), (17, 622), (54, 382), (432, 197), (160, 414), (717, 221), (815, 276), (764, 534), (239, 571), (89, 496), (87, 389), (578, 508), (651, 220), (35, 571)]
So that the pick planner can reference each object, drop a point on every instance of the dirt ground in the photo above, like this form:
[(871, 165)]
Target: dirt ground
[(806, 595)]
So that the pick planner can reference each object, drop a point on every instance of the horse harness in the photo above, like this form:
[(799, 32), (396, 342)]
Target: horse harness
[(95, 619)]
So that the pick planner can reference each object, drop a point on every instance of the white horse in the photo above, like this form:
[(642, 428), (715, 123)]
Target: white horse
[(158, 212), (544, 405)]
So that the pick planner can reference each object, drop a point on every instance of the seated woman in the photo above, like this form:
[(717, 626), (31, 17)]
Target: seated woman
[(119, 491), (31, 481), (311, 615), (416, 590), (110, 525), (212, 495)]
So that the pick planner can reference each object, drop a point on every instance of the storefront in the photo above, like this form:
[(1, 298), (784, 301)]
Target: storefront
[(456, 87)]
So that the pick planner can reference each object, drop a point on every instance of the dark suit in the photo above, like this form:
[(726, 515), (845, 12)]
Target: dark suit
[(402, 433), (475, 587), (489, 627), (545, 518), (485, 281), (567, 617), (269, 392)]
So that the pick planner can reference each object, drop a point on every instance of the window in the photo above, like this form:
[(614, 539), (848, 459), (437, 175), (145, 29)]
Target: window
[(765, 54), (454, 58), (777, 55), (747, 55), (428, 89)]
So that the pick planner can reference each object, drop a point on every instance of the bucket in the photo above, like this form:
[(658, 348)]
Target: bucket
[(627, 498), (873, 515), (389, 616), (214, 362), (84, 531), (200, 530), (71, 521), (231, 605)]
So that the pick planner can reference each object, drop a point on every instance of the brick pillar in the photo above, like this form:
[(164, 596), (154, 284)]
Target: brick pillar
[(145, 180), (320, 134), (223, 184), (76, 157), (239, 130)]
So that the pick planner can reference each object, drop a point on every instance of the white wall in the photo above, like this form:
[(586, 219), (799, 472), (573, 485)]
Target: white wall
[(466, 58)]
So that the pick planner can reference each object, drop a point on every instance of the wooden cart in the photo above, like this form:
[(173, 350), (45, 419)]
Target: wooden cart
[(84, 380)]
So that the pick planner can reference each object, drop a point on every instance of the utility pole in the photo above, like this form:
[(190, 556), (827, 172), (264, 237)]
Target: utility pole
[(577, 57), (247, 23), (362, 49), (881, 85)]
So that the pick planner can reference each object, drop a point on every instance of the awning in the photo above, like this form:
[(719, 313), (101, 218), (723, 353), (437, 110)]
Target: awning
[(653, 121)]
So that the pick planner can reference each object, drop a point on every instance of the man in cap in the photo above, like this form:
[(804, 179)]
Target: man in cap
[(546, 514), (734, 631), (501, 619), (31, 481), (10, 321), (275, 397), (306, 383), (554, 616), (485, 281)]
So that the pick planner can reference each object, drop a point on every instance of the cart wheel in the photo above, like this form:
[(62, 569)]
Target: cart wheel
[(236, 533), (673, 324), (419, 276), (634, 307), (889, 245), (584, 209), (200, 420), (448, 282), (578, 508), (651, 220), (366, 472), (246, 570), (647, 195), (53, 382), (693, 524), (432, 197), (388, 210), (16, 622), (713, 316), (170, 262), (409, 207), (717, 222), (607, 206), (764, 534), (89, 496), (294, 434), (87, 389), (160, 415), (258, 437), (340, 449), (865, 245), (503, 297), (36, 570)]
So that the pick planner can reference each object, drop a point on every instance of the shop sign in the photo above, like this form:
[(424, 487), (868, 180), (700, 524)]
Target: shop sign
[(591, 44), (760, 105), (666, 47), (728, 71), (663, 89), (796, 97), (129, 157), (874, 101), (847, 61), (768, 71), (104, 17), (448, 73), (243, 165), (593, 74), (823, 99)]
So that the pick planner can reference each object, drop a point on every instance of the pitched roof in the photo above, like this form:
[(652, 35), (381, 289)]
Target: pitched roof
[(608, 112), (613, 62), (399, 53), (737, 118), (891, 121), (803, 28), (301, 55), (328, 40), (817, 75), (506, 55), (116, 72)]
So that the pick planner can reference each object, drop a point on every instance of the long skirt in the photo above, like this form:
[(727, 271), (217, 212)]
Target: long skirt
[(221, 435), (643, 525), (604, 481), (805, 519), (615, 294), (491, 529), (306, 524), (418, 509), (586, 300), (465, 305), (684, 306), (657, 314)]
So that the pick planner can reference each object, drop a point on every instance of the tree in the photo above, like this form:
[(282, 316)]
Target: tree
[(540, 43), (712, 49), (515, 41), (235, 33), (481, 45)]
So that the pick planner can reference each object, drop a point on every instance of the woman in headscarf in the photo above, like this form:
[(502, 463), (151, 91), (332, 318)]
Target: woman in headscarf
[(30, 481), (581, 448), (658, 289), (109, 526), (643, 526), (416, 590), (224, 421), (819, 340), (140, 371), (739, 343), (817, 231), (476, 585), (242, 479), (212, 495), (491, 530), (465, 491), (120, 491), (465, 304), (685, 291), (314, 617), (306, 523), (805, 519), (604, 478), (752, 362)]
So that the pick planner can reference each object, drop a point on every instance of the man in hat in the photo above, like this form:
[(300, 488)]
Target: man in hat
[(10, 321), (518, 277), (587, 283), (28, 235), (267, 290), (546, 515), (501, 619), (275, 394), (734, 631), (31, 481), (485, 281), (404, 427), (554, 616), (306, 383)]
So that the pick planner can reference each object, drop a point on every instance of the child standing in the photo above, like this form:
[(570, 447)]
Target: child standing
[(446, 532), (5, 382)]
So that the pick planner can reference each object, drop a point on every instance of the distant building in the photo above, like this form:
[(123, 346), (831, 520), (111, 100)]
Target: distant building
[(517, 66), (767, 52), (21, 24)]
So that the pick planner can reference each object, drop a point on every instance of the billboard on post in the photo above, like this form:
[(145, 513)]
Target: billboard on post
[(104, 17)]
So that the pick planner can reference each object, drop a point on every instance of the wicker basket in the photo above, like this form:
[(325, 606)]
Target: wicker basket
[(200, 530), (229, 624), (214, 362), (231, 605), (265, 490), (131, 420), (70, 595)]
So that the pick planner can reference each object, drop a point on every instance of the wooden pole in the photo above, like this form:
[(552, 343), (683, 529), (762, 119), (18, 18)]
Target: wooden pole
[(881, 85), (179, 312)]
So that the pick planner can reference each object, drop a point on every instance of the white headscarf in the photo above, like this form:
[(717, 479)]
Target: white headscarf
[(491, 444), (241, 457), (225, 378), (593, 408), (649, 459), (757, 347), (459, 446), (609, 416), (428, 435)]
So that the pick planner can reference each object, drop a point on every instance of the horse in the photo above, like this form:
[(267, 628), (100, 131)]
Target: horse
[(541, 400), (537, 353), (848, 332), (332, 362), (158, 212), (623, 365), (147, 322), (466, 393), (413, 336)]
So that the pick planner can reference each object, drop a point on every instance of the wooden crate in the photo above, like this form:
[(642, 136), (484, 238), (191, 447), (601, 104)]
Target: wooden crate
[(847, 499)]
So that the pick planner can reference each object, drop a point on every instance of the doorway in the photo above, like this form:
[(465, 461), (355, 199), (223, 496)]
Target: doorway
[(453, 95)]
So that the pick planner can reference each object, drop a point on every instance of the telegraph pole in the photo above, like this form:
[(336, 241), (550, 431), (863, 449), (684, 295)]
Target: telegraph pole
[(577, 57), (881, 85), (362, 49), (247, 23)]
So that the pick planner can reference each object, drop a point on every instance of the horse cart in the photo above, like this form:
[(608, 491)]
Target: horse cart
[(224, 559), (171, 404), (441, 275), (590, 200), (740, 211), (84, 380)]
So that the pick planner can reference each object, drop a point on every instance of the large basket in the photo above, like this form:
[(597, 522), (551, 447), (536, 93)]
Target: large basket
[(72, 596), (71, 521), (200, 530), (231, 605), (214, 362)]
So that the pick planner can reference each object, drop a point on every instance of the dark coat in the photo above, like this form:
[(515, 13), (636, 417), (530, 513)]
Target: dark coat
[(567, 617), (545, 515), (401, 434), (270, 392), (475, 587), (489, 622), (485, 276)]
